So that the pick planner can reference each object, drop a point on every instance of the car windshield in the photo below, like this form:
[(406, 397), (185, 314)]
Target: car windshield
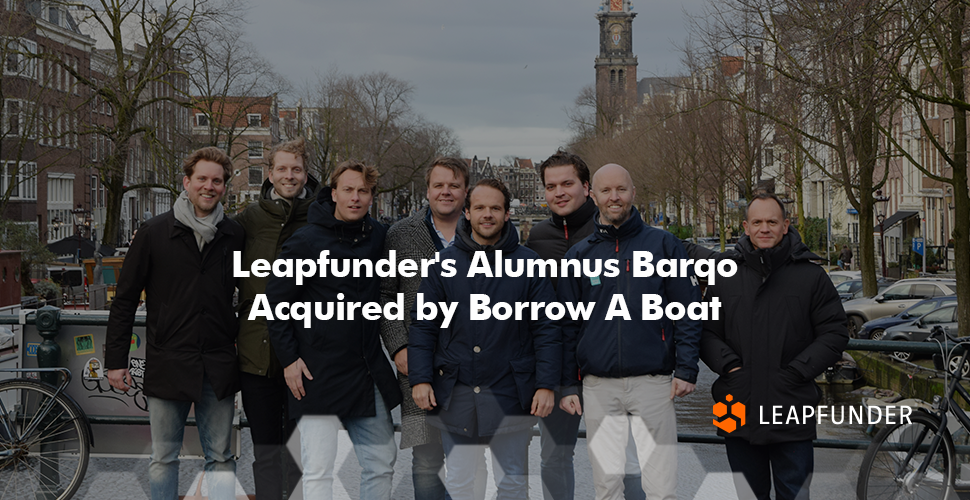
[(844, 287), (880, 288), (922, 308)]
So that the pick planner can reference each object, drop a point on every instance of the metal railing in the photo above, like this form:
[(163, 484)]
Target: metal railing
[(48, 321)]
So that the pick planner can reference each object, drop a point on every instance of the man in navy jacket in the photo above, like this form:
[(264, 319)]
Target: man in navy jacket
[(631, 368), (484, 381)]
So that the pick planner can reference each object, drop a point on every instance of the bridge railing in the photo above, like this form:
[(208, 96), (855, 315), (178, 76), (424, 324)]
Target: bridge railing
[(50, 321)]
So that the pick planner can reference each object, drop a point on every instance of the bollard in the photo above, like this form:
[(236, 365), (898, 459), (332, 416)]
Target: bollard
[(48, 356)]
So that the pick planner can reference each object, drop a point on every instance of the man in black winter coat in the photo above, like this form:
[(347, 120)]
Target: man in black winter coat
[(334, 366), (182, 260), (781, 325)]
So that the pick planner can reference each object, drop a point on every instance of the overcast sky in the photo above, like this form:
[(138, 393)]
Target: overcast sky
[(498, 72)]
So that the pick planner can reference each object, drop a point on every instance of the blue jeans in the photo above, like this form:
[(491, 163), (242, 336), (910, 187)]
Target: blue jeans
[(373, 439), (426, 461), (790, 465), (214, 420), (510, 453)]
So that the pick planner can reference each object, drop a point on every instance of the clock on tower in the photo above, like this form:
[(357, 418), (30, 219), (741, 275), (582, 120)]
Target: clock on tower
[(616, 66)]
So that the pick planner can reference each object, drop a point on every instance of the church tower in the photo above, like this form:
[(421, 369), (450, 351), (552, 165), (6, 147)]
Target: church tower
[(616, 66)]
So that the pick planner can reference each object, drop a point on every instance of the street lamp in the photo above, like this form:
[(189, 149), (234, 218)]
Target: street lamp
[(82, 220), (881, 217)]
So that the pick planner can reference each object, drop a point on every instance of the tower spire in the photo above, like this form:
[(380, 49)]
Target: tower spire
[(616, 65)]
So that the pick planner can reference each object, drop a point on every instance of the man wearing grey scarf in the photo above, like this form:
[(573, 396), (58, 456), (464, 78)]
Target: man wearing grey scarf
[(203, 227), (182, 261)]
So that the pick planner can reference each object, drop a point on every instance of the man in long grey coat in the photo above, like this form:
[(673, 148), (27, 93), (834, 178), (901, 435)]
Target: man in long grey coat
[(420, 236)]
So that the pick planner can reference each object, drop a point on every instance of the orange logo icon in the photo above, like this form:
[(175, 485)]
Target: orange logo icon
[(724, 421)]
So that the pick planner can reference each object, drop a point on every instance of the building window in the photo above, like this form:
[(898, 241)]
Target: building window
[(769, 157), (19, 57), (255, 176), (97, 192), (255, 149), (201, 120), (254, 119), (53, 16), (12, 117)]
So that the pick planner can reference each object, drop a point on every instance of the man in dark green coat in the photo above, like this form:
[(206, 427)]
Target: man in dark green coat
[(280, 211)]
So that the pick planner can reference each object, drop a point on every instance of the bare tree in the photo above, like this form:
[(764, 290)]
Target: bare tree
[(930, 66), (228, 78), (369, 117), (137, 71), (830, 52)]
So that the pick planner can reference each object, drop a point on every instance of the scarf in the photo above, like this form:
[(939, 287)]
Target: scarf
[(205, 227)]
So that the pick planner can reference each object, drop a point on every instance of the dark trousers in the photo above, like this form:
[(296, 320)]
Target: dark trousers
[(557, 437), (426, 461), (265, 401), (788, 465)]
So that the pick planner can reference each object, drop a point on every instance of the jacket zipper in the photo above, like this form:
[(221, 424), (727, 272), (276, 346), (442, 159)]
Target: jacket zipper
[(565, 228), (619, 324)]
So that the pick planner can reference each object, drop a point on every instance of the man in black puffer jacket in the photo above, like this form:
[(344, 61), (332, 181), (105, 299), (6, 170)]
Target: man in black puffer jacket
[(336, 369), (781, 325)]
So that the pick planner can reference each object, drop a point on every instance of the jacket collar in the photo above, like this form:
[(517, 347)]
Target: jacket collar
[(507, 242), (311, 189), (321, 213), (630, 228), (576, 219), (767, 260)]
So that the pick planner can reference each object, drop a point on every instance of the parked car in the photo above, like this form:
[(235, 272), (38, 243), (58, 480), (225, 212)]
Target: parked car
[(881, 286), (852, 289), (840, 276), (918, 330), (876, 328), (895, 299)]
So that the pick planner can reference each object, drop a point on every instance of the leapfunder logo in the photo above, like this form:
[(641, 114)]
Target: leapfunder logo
[(729, 422), (731, 418)]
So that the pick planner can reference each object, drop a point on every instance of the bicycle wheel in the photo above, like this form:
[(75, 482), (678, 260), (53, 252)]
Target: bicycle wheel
[(886, 473), (44, 442)]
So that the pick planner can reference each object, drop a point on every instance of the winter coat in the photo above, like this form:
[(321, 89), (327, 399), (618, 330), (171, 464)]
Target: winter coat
[(268, 223), (484, 372), (618, 348), (344, 357), (782, 323), (191, 331), (552, 237), (412, 238)]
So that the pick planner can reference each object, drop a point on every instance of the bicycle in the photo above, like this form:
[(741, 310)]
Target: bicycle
[(919, 459), (45, 438)]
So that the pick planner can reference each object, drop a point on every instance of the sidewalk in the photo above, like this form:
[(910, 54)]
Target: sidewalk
[(703, 474)]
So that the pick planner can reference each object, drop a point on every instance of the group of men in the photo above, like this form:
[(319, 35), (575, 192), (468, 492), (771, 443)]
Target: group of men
[(470, 385)]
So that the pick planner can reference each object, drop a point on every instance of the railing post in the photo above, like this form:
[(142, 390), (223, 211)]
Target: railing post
[(49, 352), (48, 356)]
